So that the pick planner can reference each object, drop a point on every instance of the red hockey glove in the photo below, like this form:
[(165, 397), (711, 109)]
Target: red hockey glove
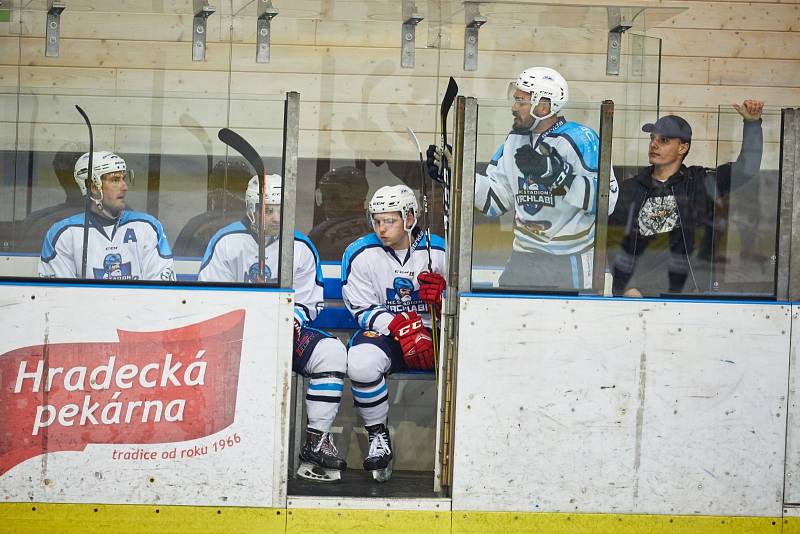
[(431, 287), (417, 345)]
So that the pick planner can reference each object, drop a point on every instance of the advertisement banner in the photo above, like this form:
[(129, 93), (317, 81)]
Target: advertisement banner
[(150, 397)]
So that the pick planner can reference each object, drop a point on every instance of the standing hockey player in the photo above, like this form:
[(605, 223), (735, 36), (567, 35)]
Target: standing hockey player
[(232, 256), (122, 244), (388, 286), (546, 173)]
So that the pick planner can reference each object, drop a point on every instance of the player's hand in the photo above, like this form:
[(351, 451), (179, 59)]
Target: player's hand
[(431, 287), (632, 293), (750, 110), (417, 345), (436, 163), (529, 162)]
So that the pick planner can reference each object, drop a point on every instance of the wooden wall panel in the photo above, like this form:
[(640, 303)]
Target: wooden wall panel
[(343, 57)]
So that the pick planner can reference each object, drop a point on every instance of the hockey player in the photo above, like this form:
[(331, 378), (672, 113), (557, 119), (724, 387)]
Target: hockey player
[(546, 174), (122, 245), (389, 289), (232, 256)]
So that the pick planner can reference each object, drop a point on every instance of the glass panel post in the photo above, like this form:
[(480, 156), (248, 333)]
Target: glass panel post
[(291, 138), (603, 182), (788, 276)]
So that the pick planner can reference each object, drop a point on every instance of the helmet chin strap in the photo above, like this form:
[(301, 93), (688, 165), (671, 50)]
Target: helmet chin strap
[(98, 204), (537, 119)]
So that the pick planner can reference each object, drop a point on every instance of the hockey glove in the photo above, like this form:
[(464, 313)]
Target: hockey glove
[(546, 167), (436, 164), (530, 162), (297, 330), (431, 287), (417, 345)]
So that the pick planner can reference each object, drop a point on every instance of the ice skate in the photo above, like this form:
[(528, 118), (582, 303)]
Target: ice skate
[(319, 458), (379, 458)]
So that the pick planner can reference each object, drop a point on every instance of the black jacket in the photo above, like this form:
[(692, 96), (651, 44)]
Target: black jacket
[(648, 209)]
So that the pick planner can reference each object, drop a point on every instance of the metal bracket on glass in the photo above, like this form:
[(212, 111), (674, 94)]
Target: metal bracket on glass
[(202, 10), (617, 26), (54, 10), (409, 36), (266, 12), (474, 20)]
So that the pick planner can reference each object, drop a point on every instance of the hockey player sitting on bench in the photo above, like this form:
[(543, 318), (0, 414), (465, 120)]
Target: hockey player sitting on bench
[(122, 244), (232, 256), (388, 286)]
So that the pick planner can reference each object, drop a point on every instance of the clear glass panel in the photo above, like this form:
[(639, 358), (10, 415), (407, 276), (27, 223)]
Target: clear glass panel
[(180, 173), (724, 216), (531, 234)]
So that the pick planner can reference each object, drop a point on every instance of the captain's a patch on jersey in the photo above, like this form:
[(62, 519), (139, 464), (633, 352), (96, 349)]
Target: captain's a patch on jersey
[(402, 297), (114, 269)]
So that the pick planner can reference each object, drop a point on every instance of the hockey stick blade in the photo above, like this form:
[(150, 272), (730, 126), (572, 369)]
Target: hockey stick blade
[(414, 139), (238, 143), (449, 97)]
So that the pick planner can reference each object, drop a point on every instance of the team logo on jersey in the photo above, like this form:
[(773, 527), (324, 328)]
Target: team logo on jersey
[(251, 276), (401, 297), (371, 333), (114, 269), (545, 175)]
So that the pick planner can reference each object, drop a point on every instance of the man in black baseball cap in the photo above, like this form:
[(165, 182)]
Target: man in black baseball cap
[(662, 207)]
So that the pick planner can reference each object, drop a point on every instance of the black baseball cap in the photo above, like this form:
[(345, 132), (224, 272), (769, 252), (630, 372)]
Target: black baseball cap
[(670, 126)]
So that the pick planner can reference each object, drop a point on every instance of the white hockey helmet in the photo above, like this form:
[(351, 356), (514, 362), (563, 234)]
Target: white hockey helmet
[(272, 195), (544, 82), (103, 162), (391, 198)]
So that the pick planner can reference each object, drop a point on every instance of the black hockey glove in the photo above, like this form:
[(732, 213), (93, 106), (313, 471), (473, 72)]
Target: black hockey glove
[(436, 163), (545, 166), (531, 163)]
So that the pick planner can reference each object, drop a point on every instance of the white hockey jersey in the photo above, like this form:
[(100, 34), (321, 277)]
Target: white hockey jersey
[(547, 218), (378, 282), (232, 256), (132, 247)]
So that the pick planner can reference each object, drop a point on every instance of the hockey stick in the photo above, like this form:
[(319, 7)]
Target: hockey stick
[(238, 143), (195, 129), (426, 221), (87, 203), (447, 102)]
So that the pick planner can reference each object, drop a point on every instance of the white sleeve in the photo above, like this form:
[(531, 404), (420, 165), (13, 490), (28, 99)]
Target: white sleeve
[(582, 194), (492, 194), (215, 266), (307, 282), (366, 307), (157, 263), (57, 260)]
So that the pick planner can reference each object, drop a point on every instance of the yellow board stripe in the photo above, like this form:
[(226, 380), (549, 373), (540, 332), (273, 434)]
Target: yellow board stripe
[(45, 518), (39, 518), (558, 523)]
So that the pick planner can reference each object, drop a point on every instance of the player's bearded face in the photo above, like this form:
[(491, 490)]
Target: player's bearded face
[(390, 229), (114, 190), (521, 109)]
